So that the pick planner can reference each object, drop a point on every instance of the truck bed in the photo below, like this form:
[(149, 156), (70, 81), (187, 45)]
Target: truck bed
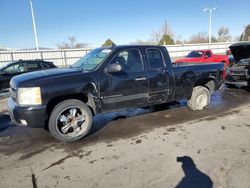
[(187, 74)]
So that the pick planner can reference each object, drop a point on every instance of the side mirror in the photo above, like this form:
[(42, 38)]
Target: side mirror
[(114, 68)]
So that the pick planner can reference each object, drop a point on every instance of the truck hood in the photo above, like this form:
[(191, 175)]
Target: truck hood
[(32, 78), (240, 50)]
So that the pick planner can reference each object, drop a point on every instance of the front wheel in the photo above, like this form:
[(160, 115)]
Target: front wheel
[(200, 98), (70, 120)]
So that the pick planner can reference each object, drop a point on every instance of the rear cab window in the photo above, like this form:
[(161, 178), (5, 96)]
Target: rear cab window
[(155, 59), (44, 65), (32, 66), (208, 54)]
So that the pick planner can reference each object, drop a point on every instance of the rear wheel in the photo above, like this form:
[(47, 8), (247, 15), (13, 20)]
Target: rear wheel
[(200, 98), (70, 120)]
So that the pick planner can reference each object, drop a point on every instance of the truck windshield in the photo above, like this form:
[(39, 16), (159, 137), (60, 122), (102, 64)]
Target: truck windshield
[(91, 60), (195, 54)]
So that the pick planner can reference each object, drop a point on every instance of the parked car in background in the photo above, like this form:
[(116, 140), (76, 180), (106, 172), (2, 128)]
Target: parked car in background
[(239, 73), (20, 67), (203, 56)]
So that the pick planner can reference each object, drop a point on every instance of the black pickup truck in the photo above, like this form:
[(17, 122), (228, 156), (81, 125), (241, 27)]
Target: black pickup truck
[(107, 79)]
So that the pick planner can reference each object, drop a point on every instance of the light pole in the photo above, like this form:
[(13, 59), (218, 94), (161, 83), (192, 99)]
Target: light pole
[(34, 24), (244, 32), (210, 10)]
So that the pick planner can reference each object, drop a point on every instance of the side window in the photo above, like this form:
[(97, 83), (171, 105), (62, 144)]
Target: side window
[(208, 54), (32, 66), (130, 60), (44, 66), (17, 68), (155, 59)]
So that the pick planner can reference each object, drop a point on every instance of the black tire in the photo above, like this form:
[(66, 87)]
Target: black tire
[(56, 125), (200, 98)]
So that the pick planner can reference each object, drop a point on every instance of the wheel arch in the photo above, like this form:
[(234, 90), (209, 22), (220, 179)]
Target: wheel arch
[(86, 98), (209, 83)]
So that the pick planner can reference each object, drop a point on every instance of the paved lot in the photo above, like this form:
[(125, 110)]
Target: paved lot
[(165, 146)]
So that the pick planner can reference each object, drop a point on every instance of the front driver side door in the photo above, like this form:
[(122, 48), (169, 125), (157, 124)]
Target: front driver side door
[(128, 88)]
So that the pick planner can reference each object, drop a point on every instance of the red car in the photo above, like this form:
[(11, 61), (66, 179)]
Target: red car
[(204, 56)]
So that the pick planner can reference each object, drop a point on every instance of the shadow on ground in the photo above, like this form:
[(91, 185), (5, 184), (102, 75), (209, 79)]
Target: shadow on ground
[(193, 176)]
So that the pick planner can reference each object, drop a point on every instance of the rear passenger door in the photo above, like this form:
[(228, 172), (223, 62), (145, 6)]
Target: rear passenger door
[(158, 76)]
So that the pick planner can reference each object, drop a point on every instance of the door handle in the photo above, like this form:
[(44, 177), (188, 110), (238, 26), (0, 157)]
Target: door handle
[(140, 79), (164, 70)]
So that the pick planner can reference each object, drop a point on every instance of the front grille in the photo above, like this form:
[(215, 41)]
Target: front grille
[(238, 78), (13, 93), (238, 72)]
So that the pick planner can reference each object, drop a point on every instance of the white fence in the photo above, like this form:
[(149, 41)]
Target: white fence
[(183, 50), (68, 56), (58, 57)]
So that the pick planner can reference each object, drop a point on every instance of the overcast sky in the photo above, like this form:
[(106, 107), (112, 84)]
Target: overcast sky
[(93, 21)]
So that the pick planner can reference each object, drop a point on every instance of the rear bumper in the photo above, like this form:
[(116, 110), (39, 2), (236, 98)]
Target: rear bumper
[(32, 116)]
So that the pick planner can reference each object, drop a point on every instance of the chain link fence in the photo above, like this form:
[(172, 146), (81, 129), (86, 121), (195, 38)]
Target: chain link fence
[(62, 57), (66, 57)]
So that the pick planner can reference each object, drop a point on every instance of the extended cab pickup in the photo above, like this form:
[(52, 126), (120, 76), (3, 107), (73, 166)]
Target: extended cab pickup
[(107, 79)]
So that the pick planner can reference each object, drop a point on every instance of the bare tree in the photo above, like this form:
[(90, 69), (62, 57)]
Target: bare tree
[(245, 36), (223, 34), (200, 37), (72, 43), (179, 40), (164, 30)]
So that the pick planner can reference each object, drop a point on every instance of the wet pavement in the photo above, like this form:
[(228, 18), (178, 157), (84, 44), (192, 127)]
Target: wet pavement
[(120, 125), (161, 146)]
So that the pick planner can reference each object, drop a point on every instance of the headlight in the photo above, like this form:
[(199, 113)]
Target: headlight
[(29, 96)]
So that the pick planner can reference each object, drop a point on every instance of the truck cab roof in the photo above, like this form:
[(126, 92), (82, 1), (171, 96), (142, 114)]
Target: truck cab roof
[(132, 46)]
